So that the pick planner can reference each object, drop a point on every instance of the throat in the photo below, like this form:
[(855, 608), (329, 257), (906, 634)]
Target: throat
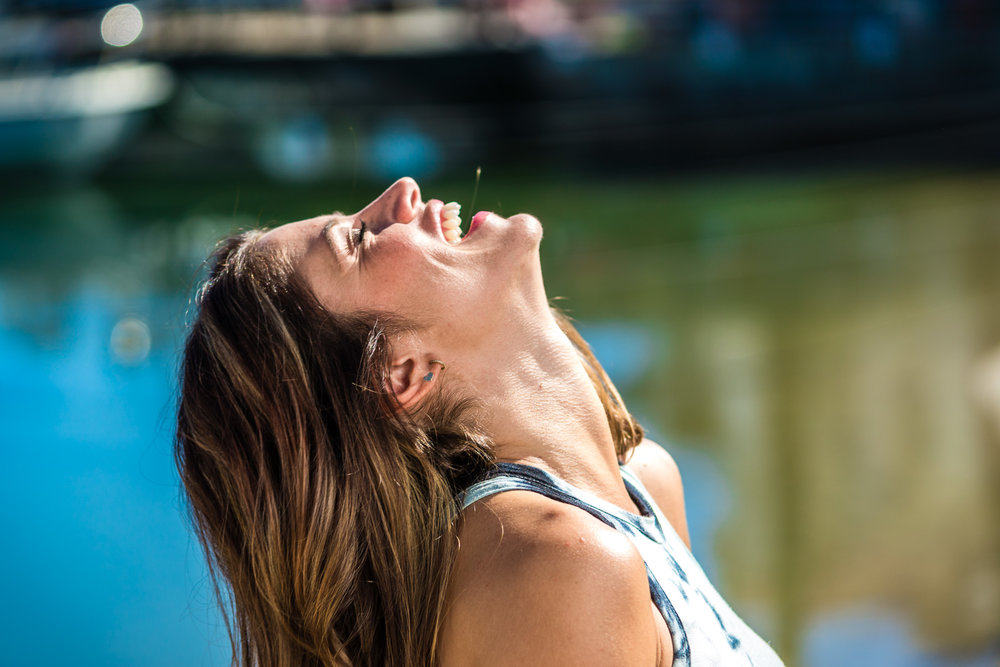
[(546, 412)]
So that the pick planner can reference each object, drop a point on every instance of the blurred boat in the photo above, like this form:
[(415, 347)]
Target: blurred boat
[(71, 122)]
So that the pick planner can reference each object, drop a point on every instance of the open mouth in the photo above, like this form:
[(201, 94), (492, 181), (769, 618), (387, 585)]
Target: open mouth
[(450, 219)]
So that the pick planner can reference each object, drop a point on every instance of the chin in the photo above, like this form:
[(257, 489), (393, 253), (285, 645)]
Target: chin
[(528, 236)]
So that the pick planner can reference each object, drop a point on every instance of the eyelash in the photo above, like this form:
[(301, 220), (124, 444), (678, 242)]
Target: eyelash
[(359, 234)]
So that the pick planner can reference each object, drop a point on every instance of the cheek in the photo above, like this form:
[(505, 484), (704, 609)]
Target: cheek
[(401, 279), (390, 295)]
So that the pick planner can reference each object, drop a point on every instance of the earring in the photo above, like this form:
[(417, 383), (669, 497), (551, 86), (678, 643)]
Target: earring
[(430, 376)]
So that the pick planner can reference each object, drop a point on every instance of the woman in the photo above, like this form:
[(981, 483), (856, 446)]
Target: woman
[(396, 453)]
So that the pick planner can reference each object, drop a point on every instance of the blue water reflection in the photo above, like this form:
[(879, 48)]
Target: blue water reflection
[(97, 552), (873, 636)]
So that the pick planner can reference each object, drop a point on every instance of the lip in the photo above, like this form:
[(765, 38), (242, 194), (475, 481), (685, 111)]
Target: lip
[(477, 220)]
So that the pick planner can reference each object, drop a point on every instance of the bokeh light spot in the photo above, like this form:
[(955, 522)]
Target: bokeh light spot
[(130, 341), (121, 25), (400, 148)]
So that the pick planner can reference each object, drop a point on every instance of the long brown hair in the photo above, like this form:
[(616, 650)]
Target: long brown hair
[(327, 514)]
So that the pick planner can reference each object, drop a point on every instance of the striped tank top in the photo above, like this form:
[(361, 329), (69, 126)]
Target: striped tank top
[(704, 629)]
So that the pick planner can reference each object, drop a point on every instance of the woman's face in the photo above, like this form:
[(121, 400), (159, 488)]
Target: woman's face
[(392, 256)]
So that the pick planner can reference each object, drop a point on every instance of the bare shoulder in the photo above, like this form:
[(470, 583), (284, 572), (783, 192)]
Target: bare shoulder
[(538, 581), (658, 472)]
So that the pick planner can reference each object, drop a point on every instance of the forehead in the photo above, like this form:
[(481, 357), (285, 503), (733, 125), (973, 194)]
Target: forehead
[(295, 239), (308, 245)]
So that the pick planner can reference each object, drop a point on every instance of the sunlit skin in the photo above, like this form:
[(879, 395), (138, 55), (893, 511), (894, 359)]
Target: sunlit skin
[(481, 307)]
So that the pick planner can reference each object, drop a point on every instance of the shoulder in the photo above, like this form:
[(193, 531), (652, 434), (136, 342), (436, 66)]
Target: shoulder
[(538, 581), (658, 472)]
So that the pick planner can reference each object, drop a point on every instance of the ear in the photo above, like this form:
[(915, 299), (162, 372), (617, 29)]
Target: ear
[(411, 378)]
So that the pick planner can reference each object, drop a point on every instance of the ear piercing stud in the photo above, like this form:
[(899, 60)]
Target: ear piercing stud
[(430, 376)]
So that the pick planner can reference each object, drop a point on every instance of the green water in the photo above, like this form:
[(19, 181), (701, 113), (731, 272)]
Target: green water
[(815, 347)]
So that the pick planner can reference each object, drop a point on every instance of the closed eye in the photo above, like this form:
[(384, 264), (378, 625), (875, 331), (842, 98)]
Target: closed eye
[(358, 235)]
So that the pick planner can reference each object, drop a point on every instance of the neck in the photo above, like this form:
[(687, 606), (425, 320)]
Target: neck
[(543, 410)]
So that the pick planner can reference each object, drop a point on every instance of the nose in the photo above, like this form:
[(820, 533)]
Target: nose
[(399, 203)]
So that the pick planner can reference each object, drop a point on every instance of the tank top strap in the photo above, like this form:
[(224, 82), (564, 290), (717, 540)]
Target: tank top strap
[(640, 496), (516, 476), (519, 477)]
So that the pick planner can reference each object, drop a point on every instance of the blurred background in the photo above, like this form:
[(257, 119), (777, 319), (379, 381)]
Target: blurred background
[(777, 222)]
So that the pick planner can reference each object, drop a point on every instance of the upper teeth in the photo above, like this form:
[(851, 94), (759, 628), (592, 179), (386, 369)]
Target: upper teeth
[(451, 222)]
